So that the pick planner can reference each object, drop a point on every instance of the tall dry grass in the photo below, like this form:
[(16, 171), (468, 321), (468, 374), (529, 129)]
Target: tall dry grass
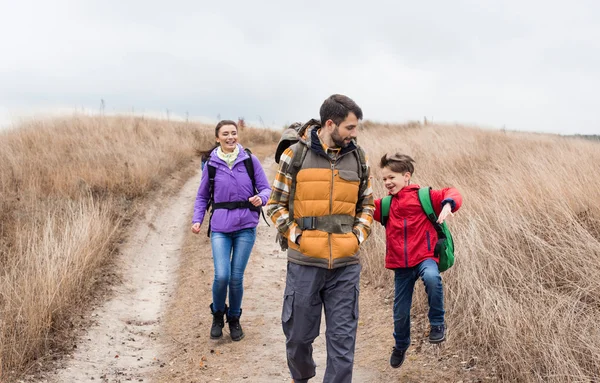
[(524, 293), (66, 187)]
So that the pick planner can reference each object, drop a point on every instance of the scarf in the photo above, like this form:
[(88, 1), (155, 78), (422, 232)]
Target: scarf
[(229, 158)]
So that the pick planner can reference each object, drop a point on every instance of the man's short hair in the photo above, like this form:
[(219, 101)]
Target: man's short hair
[(337, 107)]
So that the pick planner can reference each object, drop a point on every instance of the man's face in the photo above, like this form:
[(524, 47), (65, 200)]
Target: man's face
[(347, 130)]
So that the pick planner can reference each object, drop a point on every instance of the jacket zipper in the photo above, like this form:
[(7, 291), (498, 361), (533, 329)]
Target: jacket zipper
[(428, 241), (330, 211), (406, 241)]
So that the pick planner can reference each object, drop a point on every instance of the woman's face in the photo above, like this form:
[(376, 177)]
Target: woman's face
[(227, 138)]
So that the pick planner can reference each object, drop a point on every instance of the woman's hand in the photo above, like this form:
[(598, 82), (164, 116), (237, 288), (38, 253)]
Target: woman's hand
[(446, 211), (196, 228), (256, 201)]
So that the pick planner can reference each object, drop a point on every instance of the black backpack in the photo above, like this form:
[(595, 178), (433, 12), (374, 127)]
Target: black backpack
[(212, 171)]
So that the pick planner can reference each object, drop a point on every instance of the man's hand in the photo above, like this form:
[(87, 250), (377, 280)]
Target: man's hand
[(196, 228), (255, 200), (446, 211), (298, 235)]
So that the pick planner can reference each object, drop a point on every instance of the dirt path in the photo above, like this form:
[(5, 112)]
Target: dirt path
[(260, 356), (155, 328), (123, 343)]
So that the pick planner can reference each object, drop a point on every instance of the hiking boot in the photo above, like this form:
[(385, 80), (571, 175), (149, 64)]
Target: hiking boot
[(437, 334), (216, 330), (235, 329), (397, 357)]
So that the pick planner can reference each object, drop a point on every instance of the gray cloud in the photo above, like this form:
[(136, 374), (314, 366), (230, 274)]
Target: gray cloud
[(526, 65)]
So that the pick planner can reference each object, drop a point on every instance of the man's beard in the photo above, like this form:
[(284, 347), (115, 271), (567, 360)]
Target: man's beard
[(338, 140)]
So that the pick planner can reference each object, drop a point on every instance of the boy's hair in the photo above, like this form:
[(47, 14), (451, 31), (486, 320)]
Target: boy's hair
[(398, 163), (337, 107)]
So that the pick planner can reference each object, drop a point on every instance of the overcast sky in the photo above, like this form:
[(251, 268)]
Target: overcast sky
[(525, 65)]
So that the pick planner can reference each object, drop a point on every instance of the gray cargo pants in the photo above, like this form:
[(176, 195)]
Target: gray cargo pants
[(307, 290)]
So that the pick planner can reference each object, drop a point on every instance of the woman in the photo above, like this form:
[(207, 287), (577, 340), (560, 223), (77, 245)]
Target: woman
[(236, 205)]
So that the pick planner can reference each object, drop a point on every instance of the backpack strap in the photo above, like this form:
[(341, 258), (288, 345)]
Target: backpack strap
[(363, 170), (250, 169), (425, 200), (212, 172), (249, 164), (300, 151), (386, 203)]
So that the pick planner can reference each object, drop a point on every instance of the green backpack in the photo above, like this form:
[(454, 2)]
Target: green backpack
[(444, 248)]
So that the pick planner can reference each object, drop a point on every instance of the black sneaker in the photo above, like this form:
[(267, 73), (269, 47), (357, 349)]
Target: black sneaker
[(437, 334), (397, 357)]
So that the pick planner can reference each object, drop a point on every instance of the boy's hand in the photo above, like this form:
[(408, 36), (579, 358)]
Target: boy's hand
[(446, 211)]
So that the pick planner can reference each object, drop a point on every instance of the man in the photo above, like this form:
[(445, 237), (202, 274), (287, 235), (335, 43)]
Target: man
[(322, 203)]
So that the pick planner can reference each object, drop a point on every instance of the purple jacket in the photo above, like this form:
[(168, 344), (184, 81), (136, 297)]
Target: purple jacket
[(231, 185)]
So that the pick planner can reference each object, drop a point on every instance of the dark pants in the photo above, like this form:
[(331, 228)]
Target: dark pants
[(404, 285), (307, 290)]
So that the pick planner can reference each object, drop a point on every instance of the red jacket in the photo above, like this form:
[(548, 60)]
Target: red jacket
[(410, 237)]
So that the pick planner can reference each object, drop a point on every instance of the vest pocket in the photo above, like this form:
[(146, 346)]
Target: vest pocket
[(314, 243), (348, 175)]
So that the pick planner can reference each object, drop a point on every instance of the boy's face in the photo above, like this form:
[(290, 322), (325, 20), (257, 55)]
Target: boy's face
[(394, 181)]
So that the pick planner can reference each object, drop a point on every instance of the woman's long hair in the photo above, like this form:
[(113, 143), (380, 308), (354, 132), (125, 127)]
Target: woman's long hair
[(206, 153)]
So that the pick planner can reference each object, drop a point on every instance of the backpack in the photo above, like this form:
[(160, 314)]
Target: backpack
[(300, 152), (212, 172), (291, 135), (444, 248)]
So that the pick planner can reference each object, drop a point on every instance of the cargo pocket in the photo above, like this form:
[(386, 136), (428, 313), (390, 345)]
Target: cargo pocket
[(356, 295), (288, 306)]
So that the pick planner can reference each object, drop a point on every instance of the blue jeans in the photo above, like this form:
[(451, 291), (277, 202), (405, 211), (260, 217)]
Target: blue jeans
[(231, 252), (404, 281)]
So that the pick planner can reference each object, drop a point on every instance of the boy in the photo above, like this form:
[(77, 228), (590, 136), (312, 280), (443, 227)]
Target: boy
[(411, 240)]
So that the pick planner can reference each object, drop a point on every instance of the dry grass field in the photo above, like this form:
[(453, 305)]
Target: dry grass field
[(68, 187), (523, 296), (524, 293)]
